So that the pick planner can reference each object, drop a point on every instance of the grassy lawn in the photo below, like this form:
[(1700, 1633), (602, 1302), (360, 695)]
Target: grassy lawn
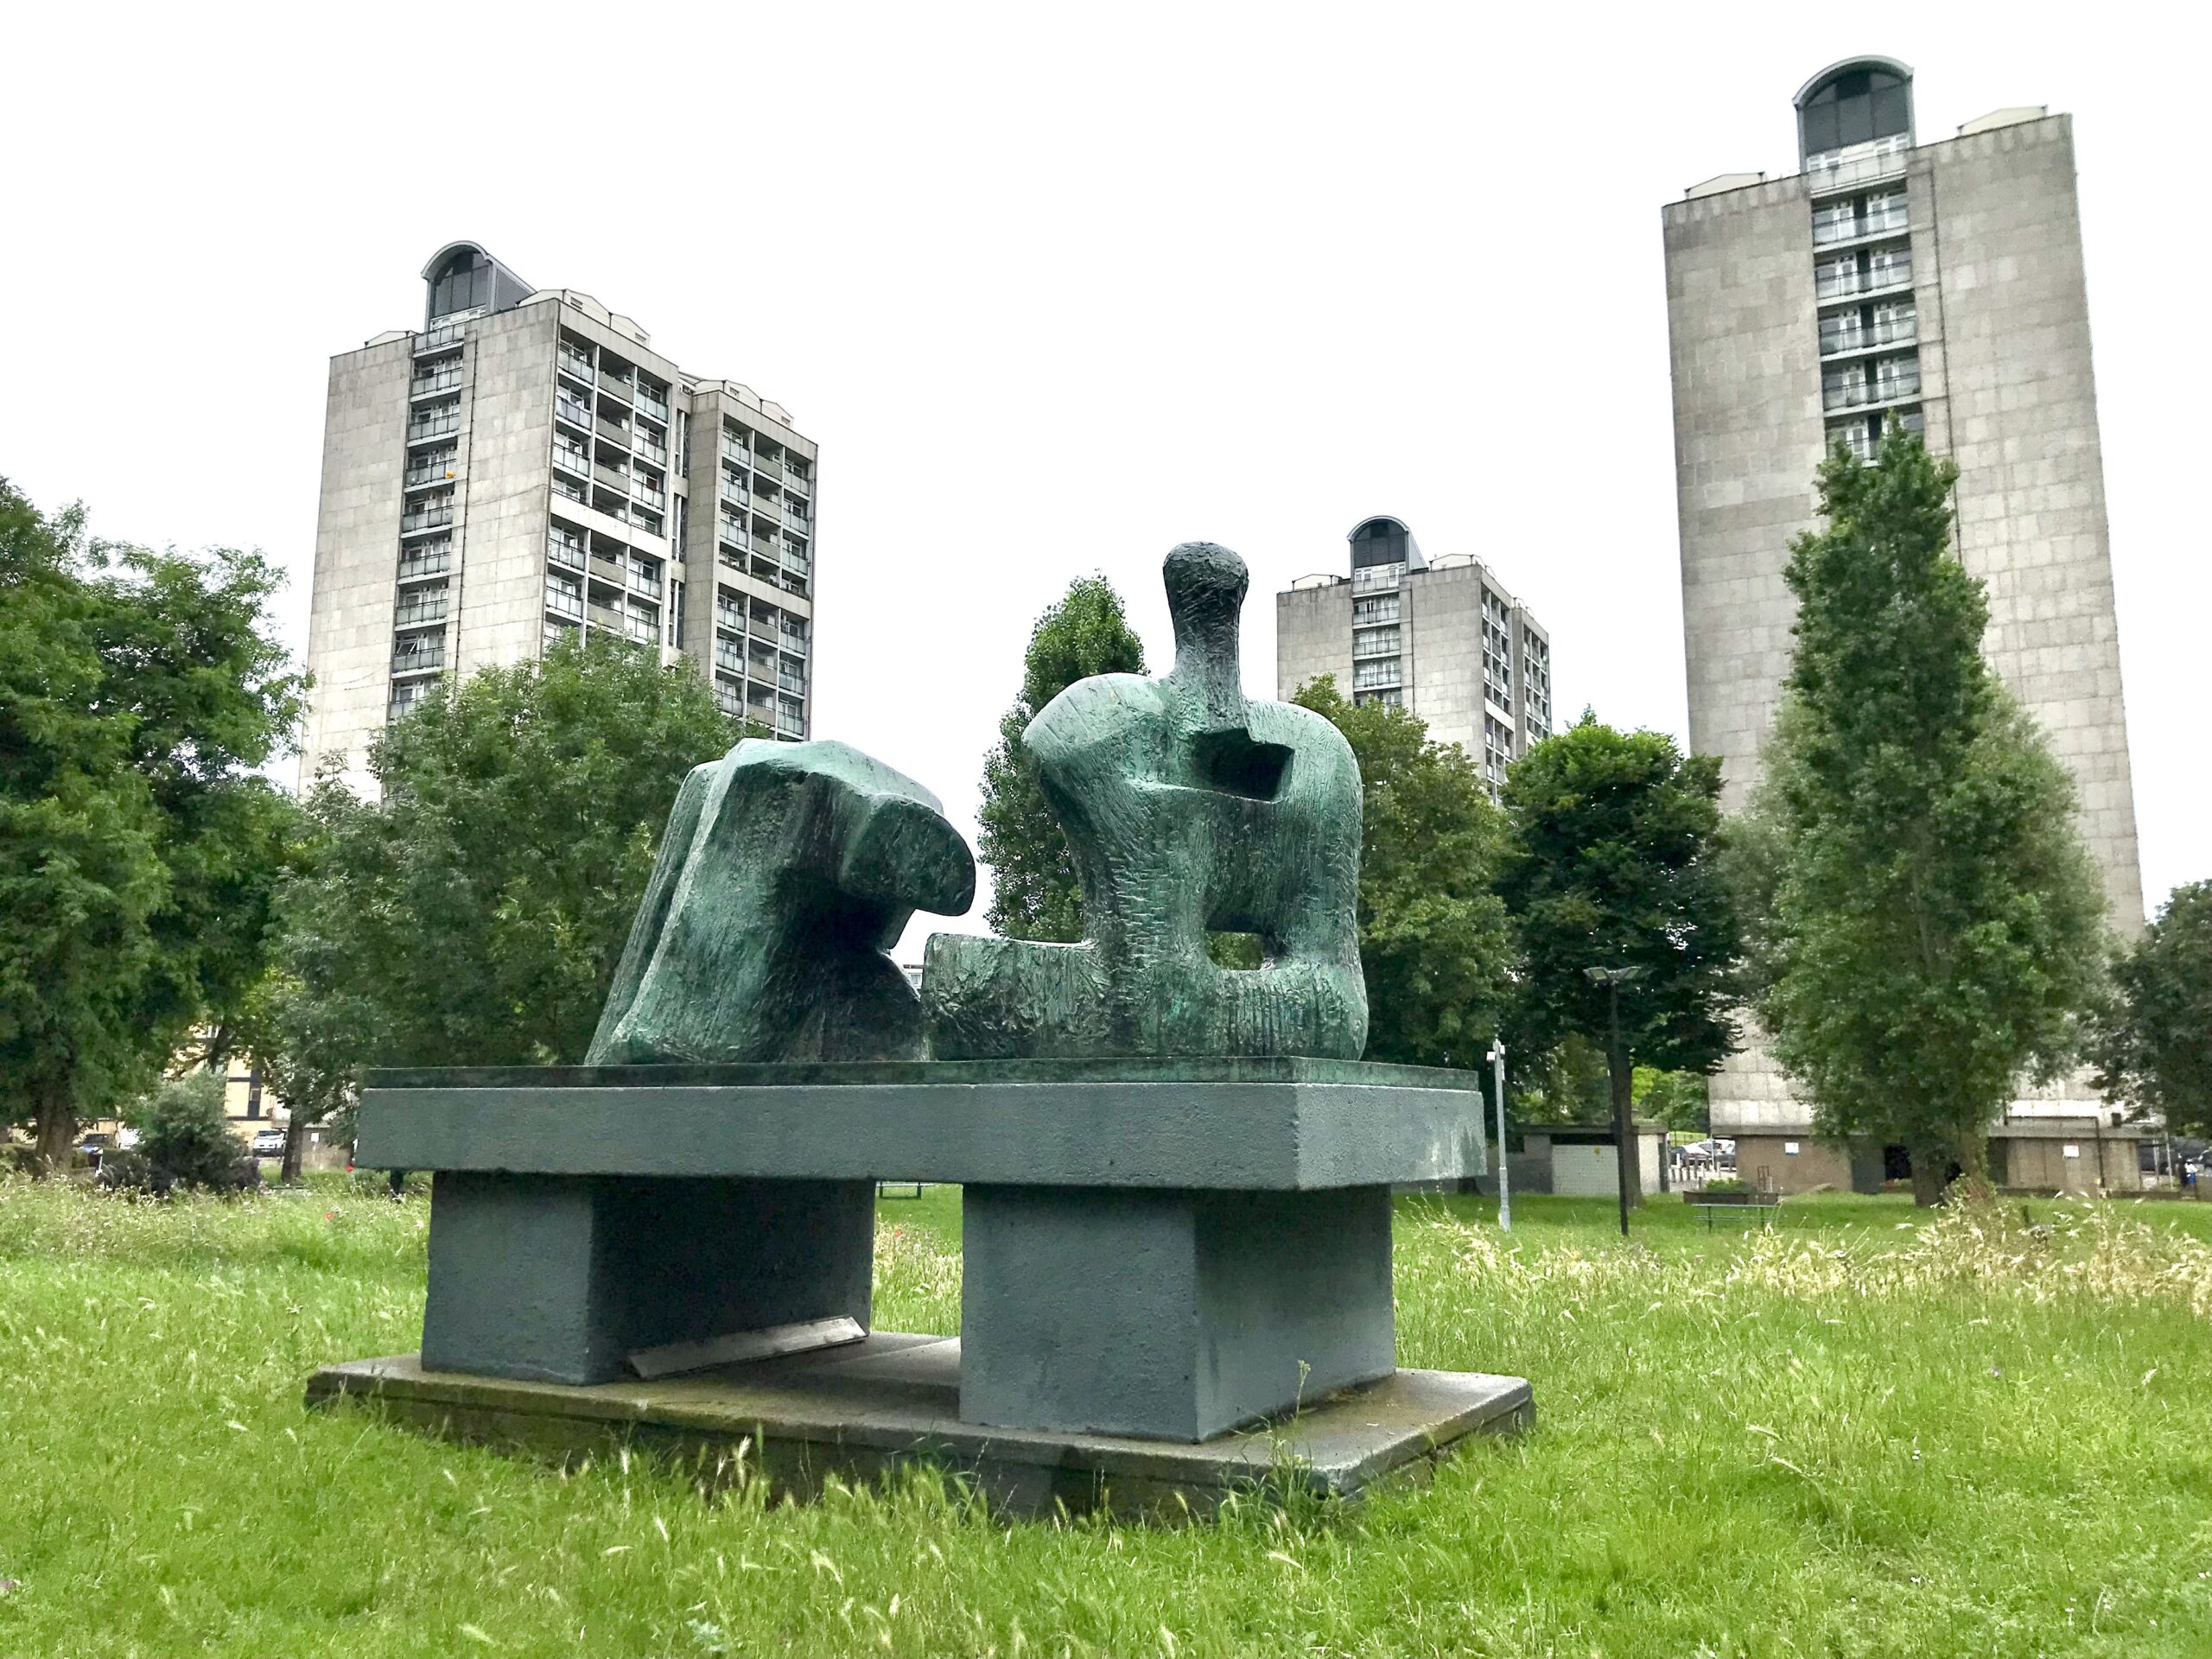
[(1862, 1432)]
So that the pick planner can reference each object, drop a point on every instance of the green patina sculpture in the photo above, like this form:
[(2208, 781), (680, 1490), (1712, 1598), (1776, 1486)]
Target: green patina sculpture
[(1188, 810), (787, 871)]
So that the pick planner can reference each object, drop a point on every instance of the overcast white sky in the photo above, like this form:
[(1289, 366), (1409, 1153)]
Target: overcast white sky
[(1058, 287)]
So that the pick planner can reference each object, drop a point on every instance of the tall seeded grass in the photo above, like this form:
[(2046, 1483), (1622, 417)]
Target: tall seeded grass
[(1861, 1434)]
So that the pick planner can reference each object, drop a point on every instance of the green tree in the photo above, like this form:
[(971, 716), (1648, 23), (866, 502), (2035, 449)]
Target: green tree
[(1033, 890), (1612, 865), (2152, 1041), (1434, 946), (138, 691), (1934, 929), (1677, 1099), (183, 1134), (475, 914)]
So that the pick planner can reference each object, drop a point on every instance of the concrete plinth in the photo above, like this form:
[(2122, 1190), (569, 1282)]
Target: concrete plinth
[(861, 1411), (1171, 1315), (561, 1278)]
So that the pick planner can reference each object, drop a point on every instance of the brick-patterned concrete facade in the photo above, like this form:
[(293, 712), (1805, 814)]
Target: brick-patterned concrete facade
[(1469, 661), (2005, 388), (472, 416)]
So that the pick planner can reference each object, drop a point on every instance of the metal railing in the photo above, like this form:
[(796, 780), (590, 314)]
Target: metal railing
[(1884, 158), (435, 425), (444, 378), (420, 613), (1376, 642), (572, 409), (1377, 578), (419, 662), (418, 562), (647, 495), (651, 451), (652, 403), (575, 459), (1849, 227), (570, 556), (644, 582), (1882, 389), (578, 365), (1841, 285), (564, 601), (438, 338), (428, 518), (1900, 331), (437, 472)]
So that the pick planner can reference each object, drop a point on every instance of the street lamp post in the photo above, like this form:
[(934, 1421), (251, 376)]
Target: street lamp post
[(1624, 1128), (1504, 1191)]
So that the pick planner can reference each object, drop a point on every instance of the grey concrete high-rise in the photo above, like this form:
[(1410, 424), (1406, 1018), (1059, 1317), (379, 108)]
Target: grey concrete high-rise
[(526, 467), (1442, 640), (1939, 284)]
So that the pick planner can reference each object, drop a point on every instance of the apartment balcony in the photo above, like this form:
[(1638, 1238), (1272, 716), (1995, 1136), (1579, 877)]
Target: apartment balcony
[(649, 449), (645, 495), (435, 425), (1376, 642), (1838, 232), (574, 411), (644, 582), (651, 403), (1377, 579), (577, 460), (422, 476), (418, 615), (1374, 675), (795, 513), (614, 432), (797, 483), (618, 385), (444, 378), (437, 340), (564, 601), (794, 643), (1842, 285), (567, 555), (728, 658), (418, 565), (761, 544), (427, 518), (764, 506), (767, 467), (1845, 169), (736, 453), (613, 478), (1865, 394), (1901, 331), (735, 496), (576, 364), (419, 662), (610, 570), (646, 630), (605, 616)]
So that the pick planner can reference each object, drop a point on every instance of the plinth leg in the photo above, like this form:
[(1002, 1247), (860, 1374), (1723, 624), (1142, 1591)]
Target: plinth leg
[(558, 1279), (1172, 1315)]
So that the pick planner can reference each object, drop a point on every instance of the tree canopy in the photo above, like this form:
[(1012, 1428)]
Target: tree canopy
[(1932, 928), (474, 913), (2153, 1037), (1434, 946), (1033, 890), (1613, 865), (139, 851)]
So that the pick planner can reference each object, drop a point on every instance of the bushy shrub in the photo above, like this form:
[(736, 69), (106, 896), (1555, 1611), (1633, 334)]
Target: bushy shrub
[(183, 1140)]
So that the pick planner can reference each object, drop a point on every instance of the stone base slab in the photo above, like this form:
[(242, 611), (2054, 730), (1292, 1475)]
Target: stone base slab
[(861, 1411)]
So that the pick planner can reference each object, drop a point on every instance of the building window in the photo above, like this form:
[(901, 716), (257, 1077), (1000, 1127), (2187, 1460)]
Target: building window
[(1368, 612), (1855, 107)]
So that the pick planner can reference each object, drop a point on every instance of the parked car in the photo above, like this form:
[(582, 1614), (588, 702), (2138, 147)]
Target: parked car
[(269, 1143)]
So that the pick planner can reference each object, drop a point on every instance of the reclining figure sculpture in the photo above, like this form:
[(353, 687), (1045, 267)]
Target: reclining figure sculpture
[(787, 873), (1188, 810)]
